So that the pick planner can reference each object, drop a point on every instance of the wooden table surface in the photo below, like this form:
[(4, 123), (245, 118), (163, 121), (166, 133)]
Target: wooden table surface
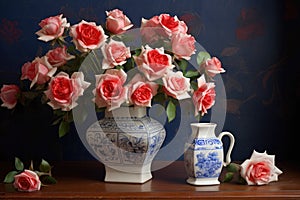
[(84, 180)]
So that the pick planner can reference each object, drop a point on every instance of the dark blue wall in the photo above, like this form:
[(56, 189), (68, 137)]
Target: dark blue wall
[(257, 42)]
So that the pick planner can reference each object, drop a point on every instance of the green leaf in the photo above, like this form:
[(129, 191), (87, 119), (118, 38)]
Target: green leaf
[(194, 85), (198, 117), (242, 181), (233, 167), (44, 166), (192, 74), (182, 64), (48, 180), (98, 110), (10, 177), (64, 128), (119, 67), (19, 164), (71, 48), (228, 177), (57, 121), (138, 52), (58, 112), (159, 98), (69, 117), (202, 57), (129, 64), (171, 111), (30, 95)]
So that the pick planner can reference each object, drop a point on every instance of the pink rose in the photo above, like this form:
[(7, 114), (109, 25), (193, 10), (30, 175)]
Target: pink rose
[(152, 31), (115, 53), (212, 67), (27, 181), (183, 45), (63, 91), (58, 56), (87, 36), (109, 89), (154, 63), (52, 28), (159, 29), (260, 169), (176, 85), (9, 95), (140, 91), (38, 71), (117, 22), (172, 24), (204, 96)]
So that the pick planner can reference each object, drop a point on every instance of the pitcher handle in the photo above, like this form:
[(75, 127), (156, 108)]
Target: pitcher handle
[(232, 140)]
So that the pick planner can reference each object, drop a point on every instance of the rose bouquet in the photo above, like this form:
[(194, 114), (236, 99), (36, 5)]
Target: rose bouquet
[(162, 73)]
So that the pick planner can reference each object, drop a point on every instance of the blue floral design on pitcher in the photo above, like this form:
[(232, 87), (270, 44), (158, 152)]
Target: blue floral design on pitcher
[(208, 166)]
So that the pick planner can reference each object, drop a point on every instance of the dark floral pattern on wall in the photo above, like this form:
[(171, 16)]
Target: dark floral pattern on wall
[(250, 24), (9, 31)]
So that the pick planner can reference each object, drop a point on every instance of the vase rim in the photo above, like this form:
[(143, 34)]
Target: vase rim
[(127, 111), (203, 124)]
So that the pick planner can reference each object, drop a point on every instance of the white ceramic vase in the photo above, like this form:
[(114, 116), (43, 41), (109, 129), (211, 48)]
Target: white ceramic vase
[(204, 157), (126, 140)]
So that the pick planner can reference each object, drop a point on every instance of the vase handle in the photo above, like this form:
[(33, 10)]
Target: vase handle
[(232, 140)]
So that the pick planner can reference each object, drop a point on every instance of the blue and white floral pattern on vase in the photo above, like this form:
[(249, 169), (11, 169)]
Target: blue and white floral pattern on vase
[(204, 155), (126, 141)]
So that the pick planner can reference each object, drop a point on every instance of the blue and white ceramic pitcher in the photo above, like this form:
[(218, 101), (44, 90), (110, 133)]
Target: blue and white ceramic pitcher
[(204, 155)]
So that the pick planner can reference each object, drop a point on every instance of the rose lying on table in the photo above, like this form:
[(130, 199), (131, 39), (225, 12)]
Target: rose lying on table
[(260, 169), (29, 180)]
